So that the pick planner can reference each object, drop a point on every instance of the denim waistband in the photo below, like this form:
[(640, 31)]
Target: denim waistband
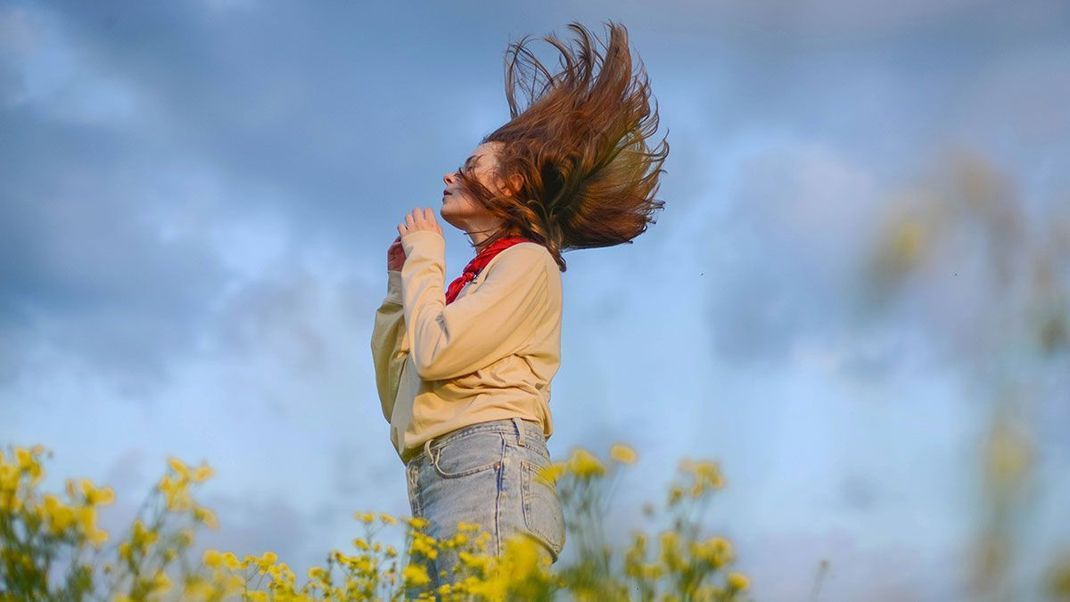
[(527, 428)]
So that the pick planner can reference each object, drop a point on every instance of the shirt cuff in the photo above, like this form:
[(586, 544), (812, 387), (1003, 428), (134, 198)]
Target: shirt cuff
[(393, 286), (430, 242)]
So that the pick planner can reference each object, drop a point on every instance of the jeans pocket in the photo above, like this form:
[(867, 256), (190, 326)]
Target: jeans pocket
[(543, 515), (468, 454)]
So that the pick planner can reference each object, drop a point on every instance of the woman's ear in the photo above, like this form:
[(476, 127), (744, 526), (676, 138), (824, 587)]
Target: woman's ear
[(516, 182)]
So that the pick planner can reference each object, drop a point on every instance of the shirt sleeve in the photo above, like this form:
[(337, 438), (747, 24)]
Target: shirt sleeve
[(389, 344), (492, 322)]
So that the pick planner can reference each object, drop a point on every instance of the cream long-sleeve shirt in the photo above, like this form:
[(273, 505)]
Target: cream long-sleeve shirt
[(489, 354)]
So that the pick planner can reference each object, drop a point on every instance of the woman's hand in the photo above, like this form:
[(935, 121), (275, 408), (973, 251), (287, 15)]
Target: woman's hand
[(395, 255), (419, 219)]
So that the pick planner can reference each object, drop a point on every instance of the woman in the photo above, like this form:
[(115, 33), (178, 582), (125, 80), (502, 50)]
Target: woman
[(464, 378)]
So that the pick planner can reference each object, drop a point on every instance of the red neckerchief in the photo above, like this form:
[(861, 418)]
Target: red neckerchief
[(479, 262)]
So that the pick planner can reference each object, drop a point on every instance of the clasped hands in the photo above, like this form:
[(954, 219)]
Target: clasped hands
[(417, 219)]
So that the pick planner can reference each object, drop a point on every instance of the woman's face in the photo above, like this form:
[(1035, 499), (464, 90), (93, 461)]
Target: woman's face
[(458, 208)]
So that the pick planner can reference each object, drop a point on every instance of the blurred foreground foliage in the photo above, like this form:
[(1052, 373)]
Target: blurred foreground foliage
[(51, 547), (982, 266)]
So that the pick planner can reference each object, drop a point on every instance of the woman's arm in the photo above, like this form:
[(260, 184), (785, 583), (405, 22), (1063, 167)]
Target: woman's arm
[(494, 321), (389, 343)]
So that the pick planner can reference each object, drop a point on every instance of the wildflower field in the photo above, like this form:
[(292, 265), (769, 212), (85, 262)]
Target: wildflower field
[(51, 547)]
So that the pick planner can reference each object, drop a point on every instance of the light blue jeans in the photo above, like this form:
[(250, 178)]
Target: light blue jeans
[(486, 474)]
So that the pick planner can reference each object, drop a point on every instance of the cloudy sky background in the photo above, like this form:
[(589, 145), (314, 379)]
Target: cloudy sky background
[(197, 198)]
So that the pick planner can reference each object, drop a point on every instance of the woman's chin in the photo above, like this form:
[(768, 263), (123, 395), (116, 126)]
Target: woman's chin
[(447, 216)]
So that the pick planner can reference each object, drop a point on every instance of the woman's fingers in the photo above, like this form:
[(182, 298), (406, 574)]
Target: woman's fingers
[(419, 219), (426, 218), (429, 215)]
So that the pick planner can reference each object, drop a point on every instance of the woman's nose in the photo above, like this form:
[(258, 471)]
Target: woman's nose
[(446, 178)]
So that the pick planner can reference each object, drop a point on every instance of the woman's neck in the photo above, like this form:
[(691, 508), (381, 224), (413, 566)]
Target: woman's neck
[(479, 239)]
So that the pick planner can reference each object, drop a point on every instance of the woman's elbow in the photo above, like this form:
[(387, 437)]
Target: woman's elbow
[(426, 367), (434, 368)]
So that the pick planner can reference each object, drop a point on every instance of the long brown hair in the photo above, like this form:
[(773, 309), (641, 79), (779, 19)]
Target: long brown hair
[(586, 174)]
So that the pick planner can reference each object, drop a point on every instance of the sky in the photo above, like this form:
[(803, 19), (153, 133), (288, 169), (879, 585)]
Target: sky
[(198, 196)]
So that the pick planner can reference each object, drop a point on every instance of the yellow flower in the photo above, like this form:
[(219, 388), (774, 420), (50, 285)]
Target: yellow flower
[(675, 495), (553, 471), (423, 544), (737, 581), (142, 536), (281, 572), (205, 516), (160, 582), (522, 553), (652, 571), (72, 490), (635, 555), (25, 458), (203, 473), (179, 467), (480, 562), (584, 464), (458, 539), (233, 583), (387, 519), (365, 517), (231, 561), (716, 551), (670, 553), (622, 453), (87, 519), (466, 527), (98, 537), (9, 477), (58, 516), (415, 576), (94, 495), (212, 559), (706, 474), (197, 588), (720, 545), (176, 493), (28, 464)]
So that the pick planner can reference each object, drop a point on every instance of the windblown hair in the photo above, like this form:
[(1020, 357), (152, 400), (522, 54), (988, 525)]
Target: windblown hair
[(587, 177)]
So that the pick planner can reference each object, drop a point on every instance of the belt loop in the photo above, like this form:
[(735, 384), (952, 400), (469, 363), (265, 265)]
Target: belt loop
[(519, 431), (427, 450)]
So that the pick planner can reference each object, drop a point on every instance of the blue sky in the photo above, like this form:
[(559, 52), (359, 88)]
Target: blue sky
[(198, 197)]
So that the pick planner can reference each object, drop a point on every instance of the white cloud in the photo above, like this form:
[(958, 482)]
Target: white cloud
[(56, 80)]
